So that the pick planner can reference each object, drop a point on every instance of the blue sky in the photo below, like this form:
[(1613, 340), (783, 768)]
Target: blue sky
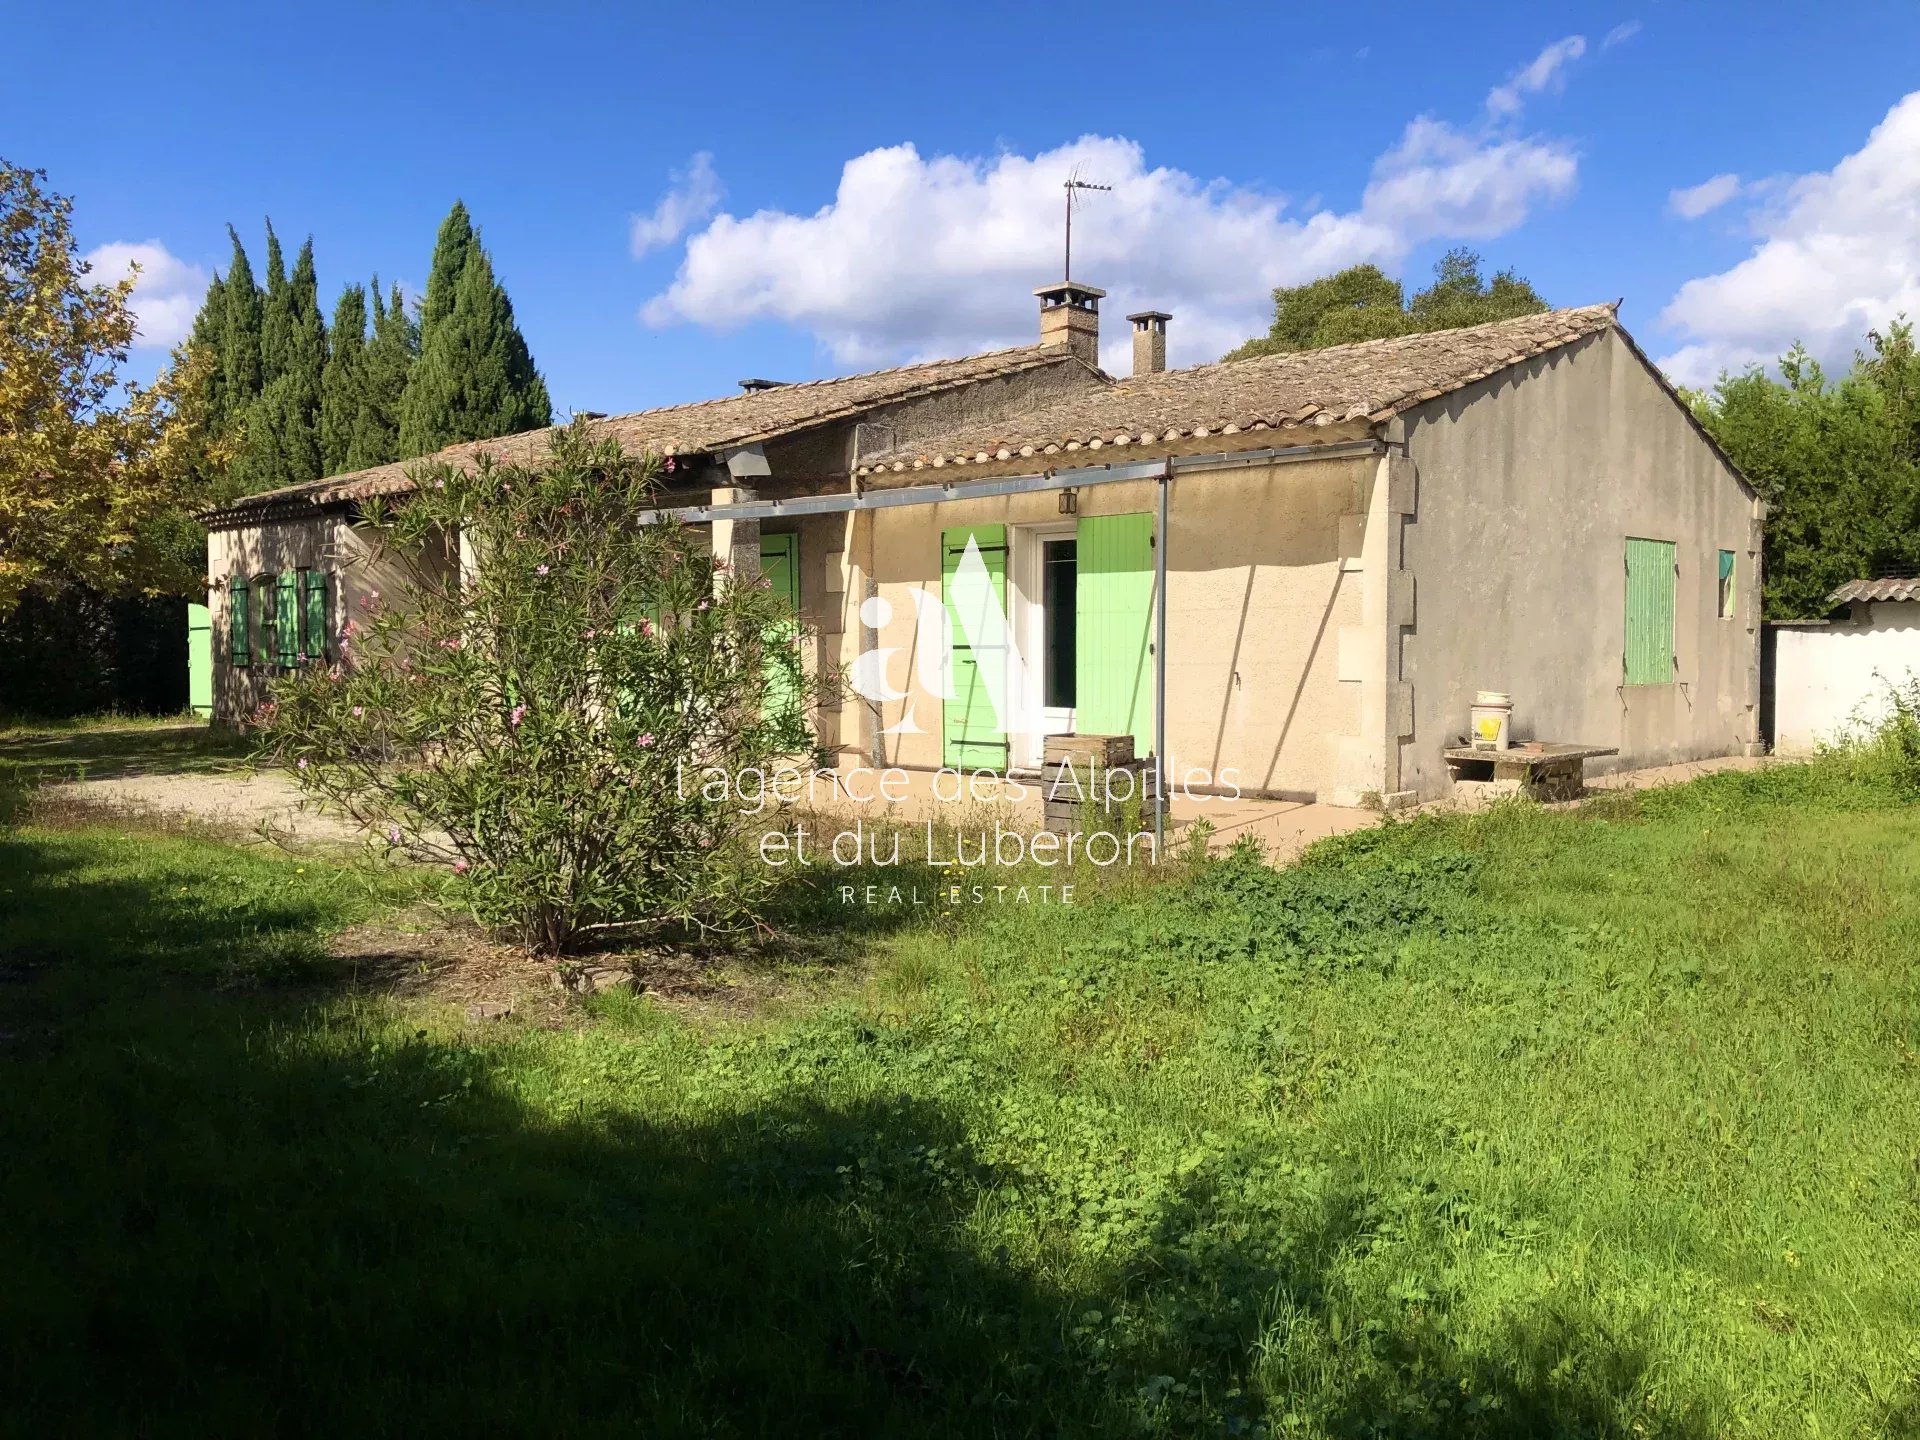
[(678, 197)]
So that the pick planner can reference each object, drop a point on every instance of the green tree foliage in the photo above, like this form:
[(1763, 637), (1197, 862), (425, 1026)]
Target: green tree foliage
[(276, 314), (451, 247), (389, 360), (96, 476), (343, 385), (528, 720), (237, 298), (1838, 464), (475, 377), (283, 432), (286, 404), (1363, 303)]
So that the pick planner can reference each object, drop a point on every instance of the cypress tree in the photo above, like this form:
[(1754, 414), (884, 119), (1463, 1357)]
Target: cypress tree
[(205, 337), (239, 336), (276, 315), (389, 359), (283, 434), (475, 377), (451, 247), (343, 392)]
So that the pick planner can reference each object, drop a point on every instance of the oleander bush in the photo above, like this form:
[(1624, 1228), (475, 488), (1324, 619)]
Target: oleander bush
[(536, 710)]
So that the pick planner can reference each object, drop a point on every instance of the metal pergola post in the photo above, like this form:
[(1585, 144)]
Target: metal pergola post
[(1160, 543)]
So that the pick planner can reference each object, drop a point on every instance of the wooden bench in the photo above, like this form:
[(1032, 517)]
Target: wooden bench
[(1538, 769)]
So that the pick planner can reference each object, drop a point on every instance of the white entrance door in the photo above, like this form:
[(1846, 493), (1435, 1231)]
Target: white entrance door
[(1046, 573)]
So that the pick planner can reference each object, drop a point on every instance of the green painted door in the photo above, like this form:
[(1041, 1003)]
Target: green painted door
[(1650, 610), (780, 567), (973, 731), (200, 659), (1113, 660)]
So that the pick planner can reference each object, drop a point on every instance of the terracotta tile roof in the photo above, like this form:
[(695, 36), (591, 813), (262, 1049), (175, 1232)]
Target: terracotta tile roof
[(1370, 381), (695, 429), (1889, 588)]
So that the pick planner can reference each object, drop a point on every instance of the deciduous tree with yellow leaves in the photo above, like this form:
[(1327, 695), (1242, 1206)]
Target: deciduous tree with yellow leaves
[(95, 474)]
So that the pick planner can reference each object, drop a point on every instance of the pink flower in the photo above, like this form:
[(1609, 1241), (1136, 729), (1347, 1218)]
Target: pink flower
[(703, 605), (358, 711), (439, 484), (393, 834), (459, 867), (588, 635), (519, 714), (645, 742), (669, 465), (646, 626), (301, 764), (539, 569)]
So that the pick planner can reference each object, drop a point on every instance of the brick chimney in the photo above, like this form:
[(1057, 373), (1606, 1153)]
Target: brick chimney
[(1149, 341), (1070, 318)]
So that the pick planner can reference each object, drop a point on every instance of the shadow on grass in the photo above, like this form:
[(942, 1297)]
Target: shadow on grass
[(247, 1210), (47, 755)]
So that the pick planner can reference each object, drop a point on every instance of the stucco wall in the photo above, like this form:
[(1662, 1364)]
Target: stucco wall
[(325, 542), (1259, 587), (1525, 490), (1828, 677)]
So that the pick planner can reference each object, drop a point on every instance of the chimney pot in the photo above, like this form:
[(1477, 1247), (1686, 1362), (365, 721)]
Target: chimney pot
[(1149, 341), (1070, 318)]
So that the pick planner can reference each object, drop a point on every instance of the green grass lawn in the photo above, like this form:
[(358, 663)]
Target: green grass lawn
[(1590, 1123), (114, 747)]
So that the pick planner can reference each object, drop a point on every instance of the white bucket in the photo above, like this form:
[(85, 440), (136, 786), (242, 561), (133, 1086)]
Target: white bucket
[(1492, 720)]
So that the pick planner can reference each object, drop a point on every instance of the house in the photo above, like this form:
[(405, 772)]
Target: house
[(1356, 541), (1827, 676)]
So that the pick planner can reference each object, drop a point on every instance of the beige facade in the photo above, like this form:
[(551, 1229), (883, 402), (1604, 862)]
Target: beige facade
[(1262, 579), (1525, 489)]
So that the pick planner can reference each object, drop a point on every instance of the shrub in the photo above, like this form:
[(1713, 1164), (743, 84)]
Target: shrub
[(537, 710)]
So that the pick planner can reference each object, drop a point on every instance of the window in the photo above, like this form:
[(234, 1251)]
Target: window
[(239, 650), (1726, 584), (1650, 608), (1058, 584)]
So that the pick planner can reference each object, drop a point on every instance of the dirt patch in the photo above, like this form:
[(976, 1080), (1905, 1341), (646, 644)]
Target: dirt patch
[(258, 806), (423, 955)]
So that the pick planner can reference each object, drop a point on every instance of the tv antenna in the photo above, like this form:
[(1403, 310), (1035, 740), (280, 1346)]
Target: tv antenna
[(1072, 184)]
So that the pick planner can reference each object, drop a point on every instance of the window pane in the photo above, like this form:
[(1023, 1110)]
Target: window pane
[(1058, 595)]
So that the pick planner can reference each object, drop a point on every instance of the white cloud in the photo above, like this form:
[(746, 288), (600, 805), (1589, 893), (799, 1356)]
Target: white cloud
[(1536, 75), (692, 195), (1620, 34), (1697, 200), (167, 295), (918, 255), (1839, 254)]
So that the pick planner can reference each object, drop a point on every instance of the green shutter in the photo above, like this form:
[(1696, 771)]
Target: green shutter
[(286, 618), (1726, 583), (973, 734), (1650, 610), (1113, 659), (239, 624), (313, 615), (199, 659), (780, 568)]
